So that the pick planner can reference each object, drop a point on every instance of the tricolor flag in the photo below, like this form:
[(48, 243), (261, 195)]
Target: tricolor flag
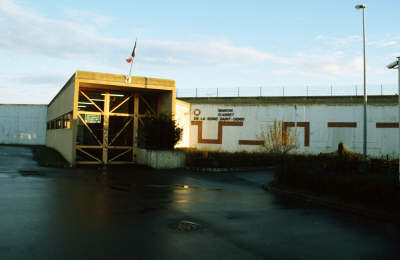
[(130, 59)]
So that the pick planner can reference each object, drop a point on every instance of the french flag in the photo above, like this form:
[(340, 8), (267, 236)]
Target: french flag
[(130, 59)]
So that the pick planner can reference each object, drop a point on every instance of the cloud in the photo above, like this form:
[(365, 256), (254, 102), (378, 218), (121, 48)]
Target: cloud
[(349, 41), (26, 31), (384, 43), (339, 42), (53, 79), (210, 52), (83, 16), (80, 42), (332, 65)]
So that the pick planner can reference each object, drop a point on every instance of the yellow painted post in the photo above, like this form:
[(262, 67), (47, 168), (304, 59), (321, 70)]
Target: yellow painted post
[(106, 126), (135, 125)]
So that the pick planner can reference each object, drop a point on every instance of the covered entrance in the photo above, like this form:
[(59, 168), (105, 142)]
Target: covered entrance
[(96, 118), (109, 125)]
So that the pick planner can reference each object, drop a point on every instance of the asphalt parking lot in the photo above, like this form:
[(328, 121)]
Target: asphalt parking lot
[(139, 213)]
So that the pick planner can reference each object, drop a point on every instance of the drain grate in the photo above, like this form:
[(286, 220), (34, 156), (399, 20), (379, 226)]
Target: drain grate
[(186, 226)]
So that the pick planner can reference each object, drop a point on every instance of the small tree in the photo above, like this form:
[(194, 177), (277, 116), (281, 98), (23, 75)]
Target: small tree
[(279, 138), (159, 133)]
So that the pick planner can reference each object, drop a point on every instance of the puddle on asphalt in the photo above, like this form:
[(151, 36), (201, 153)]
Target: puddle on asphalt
[(31, 173), (127, 187)]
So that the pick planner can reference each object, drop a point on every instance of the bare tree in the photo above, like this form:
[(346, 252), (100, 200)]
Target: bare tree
[(279, 137)]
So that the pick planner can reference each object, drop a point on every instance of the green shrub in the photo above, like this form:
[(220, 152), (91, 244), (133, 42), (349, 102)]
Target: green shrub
[(159, 133), (206, 159), (340, 175)]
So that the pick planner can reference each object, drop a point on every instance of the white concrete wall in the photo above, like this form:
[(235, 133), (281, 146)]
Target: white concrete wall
[(182, 117), (161, 159), (23, 124), (62, 139), (381, 141), (63, 102)]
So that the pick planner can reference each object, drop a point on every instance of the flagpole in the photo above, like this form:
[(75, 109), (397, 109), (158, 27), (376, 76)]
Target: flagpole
[(130, 70)]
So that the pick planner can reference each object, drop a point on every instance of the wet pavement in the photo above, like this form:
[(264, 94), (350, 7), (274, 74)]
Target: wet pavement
[(139, 213)]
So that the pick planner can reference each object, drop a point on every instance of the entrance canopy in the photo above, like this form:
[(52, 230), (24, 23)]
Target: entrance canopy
[(96, 118)]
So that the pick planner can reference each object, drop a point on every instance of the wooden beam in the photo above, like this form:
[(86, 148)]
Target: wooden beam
[(119, 155), (89, 112), (88, 154), (148, 105), (122, 114), (135, 126), (91, 101), (121, 162), (90, 130), (89, 146), (120, 131), (119, 147), (120, 104), (87, 162), (106, 122)]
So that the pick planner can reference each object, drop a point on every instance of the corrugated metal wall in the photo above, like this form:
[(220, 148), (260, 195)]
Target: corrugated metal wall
[(23, 124)]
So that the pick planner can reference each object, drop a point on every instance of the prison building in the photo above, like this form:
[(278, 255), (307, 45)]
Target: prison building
[(96, 117)]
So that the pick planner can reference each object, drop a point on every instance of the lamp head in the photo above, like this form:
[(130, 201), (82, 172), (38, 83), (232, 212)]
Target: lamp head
[(360, 6), (393, 65)]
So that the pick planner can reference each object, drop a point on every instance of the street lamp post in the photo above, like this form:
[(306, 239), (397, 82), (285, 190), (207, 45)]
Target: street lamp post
[(396, 65), (362, 7)]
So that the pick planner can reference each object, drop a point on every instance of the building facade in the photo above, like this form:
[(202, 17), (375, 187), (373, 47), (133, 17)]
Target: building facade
[(96, 117)]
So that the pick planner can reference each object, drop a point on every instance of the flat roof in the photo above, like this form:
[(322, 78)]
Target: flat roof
[(107, 80), (121, 79)]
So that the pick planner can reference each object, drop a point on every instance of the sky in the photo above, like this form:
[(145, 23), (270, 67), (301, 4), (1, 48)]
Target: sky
[(199, 44)]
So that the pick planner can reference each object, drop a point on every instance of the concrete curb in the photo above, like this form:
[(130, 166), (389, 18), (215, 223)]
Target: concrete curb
[(362, 211), (223, 170)]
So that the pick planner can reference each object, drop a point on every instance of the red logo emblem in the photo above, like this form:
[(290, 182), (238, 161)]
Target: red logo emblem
[(196, 112)]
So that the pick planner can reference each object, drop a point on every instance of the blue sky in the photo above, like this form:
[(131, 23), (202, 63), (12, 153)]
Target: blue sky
[(200, 44)]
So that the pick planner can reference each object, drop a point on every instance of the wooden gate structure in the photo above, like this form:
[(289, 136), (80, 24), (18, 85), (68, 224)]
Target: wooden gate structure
[(96, 118)]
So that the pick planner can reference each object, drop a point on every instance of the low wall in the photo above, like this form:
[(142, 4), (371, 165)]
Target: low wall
[(161, 159), (320, 123)]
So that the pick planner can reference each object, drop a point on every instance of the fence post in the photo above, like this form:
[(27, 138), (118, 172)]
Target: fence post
[(283, 90), (307, 91), (381, 90), (217, 92), (260, 91), (331, 90), (356, 90), (238, 92), (196, 92)]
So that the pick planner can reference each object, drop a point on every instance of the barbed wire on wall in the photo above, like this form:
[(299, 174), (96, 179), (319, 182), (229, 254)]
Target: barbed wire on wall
[(275, 91)]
